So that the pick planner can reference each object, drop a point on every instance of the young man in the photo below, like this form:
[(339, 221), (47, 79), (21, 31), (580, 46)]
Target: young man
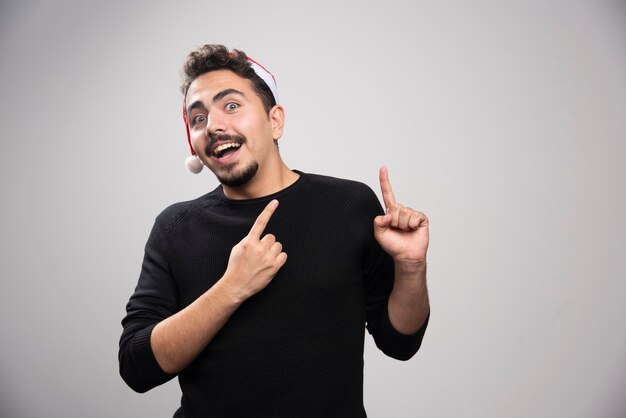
[(256, 295)]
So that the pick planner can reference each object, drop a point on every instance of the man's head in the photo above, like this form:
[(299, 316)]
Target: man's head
[(217, 57), (231, 115)]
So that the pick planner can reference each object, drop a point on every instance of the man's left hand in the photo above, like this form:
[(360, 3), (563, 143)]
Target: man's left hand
[(402, 232)]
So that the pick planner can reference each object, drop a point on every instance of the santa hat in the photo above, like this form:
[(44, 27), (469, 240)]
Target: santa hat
[(193, 162)]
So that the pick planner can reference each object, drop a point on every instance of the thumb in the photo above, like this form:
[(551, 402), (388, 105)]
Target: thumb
[(381, 224)]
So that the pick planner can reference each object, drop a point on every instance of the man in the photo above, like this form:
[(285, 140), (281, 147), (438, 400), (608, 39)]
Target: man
[(260, 309)]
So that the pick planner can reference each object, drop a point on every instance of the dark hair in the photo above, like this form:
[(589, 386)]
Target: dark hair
[(212, 57)]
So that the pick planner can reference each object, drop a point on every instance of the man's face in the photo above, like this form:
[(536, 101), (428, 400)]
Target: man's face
[(230, 130)]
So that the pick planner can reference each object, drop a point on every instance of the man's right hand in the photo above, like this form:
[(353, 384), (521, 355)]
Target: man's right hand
[(177, 340), (254, 261)]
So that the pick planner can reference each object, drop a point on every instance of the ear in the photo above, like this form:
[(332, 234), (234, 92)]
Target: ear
[(277, 118)]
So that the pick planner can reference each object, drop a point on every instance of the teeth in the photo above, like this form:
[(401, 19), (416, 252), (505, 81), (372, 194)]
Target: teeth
[(224, 147)]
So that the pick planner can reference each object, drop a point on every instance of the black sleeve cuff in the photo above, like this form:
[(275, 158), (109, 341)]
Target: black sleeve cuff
[(138, 366), (396, 344)]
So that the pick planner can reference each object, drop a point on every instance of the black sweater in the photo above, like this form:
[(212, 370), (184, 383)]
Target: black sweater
[(296, 348)]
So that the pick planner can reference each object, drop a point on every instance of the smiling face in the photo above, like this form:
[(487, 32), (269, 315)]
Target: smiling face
[(230, 130)]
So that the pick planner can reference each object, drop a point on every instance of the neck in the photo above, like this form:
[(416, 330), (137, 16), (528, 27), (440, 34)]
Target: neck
[(264, 183)]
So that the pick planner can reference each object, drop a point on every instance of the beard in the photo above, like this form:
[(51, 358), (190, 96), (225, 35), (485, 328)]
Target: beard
[(231, 176), (234, 177)]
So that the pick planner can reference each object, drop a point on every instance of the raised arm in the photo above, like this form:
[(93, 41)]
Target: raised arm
[(403, 233)]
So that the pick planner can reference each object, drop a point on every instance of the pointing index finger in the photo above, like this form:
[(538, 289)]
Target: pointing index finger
[(385, 187), (261, 221)]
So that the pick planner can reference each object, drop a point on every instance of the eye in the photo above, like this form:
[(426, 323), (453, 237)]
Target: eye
[(198, 119), (231, 106)]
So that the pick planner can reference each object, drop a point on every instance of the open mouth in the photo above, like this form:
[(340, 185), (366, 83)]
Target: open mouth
[(224, 150)]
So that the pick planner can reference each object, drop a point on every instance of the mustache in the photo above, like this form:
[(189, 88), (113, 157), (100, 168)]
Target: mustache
[(215, 138)]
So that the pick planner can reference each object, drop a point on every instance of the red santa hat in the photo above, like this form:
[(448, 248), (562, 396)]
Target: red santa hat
[(193, 162)]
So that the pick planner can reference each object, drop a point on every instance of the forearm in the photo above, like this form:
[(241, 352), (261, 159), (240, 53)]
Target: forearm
[(179, 339), (408, 302), (253, 263)]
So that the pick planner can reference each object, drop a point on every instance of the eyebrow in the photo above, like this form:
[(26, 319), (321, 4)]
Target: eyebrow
[(199, 105)]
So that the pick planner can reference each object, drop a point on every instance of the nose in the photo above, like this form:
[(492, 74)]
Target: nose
[(215, 123)]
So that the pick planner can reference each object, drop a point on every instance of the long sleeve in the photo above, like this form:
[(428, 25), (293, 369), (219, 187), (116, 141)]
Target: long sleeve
[(155, 298), (378, 273)]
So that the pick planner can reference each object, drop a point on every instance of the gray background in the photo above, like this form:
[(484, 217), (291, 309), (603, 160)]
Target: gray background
[(504, 121)]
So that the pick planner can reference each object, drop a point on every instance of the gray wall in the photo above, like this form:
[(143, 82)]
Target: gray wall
[(503, 121)]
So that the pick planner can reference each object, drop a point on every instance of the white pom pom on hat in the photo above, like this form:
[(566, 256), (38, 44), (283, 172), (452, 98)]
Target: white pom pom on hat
[(193, 163)]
